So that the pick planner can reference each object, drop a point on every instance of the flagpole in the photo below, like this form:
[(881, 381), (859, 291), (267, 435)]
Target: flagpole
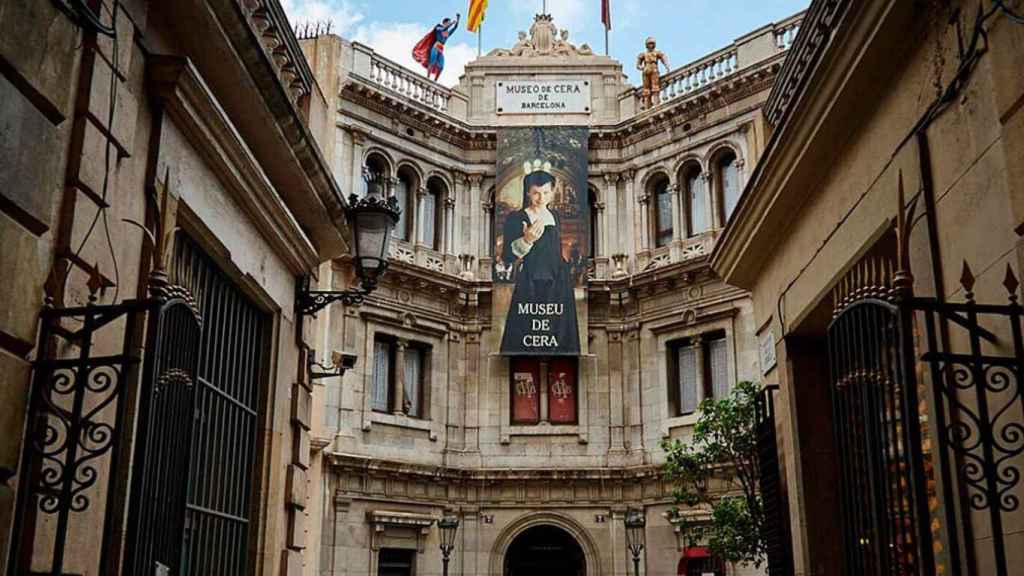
[(479, 39), (606, 53)]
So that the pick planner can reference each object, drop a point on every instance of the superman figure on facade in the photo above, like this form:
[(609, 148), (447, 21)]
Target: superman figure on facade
[(430, 50)]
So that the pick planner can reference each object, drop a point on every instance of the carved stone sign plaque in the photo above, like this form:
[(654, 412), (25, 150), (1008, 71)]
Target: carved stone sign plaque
[(543, 97)]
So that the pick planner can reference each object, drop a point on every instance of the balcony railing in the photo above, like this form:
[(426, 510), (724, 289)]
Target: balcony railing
[(379, 72), (744, 53), (396, 78)]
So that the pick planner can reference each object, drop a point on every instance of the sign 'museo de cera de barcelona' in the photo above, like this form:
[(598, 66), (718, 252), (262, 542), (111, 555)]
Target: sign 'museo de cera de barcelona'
[(544, 97), (542, 231)]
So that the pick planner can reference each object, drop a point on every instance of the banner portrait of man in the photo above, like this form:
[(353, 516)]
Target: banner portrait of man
[(541, 225)]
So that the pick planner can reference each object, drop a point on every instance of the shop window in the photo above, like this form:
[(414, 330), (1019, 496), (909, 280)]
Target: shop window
[(698, 368), (544, 390), (400, 377)]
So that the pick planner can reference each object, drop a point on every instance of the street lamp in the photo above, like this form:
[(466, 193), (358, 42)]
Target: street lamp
[(448, 525), (372, 219), (635, 535)]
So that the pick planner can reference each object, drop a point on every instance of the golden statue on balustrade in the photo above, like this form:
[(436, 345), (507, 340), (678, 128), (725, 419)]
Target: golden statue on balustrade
[(647, 62)]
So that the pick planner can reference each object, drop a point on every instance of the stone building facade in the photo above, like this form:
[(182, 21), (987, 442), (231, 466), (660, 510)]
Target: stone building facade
[(898, 180), (422, 425), (157, 160)]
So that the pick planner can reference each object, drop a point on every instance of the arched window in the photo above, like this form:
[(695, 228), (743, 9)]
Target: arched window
[(696, 200), (592, 247), (405, 194), (662, 212), (727, 176), (377, 164), (431, 223)]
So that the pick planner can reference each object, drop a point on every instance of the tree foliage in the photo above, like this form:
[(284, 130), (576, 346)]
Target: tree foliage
[(716, 470)]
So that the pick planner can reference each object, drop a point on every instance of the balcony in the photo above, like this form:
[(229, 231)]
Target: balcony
[(700, 76), (392, 79)]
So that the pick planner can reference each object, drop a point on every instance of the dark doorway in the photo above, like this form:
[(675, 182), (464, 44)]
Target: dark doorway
[(396, 562), (545, 551)]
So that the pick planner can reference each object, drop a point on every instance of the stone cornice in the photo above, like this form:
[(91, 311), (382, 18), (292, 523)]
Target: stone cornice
[(675, 113), (258, 33), (355, 464), (193, 108), (859, 51)]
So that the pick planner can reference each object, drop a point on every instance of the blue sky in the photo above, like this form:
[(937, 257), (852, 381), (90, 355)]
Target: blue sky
[(685, 29)]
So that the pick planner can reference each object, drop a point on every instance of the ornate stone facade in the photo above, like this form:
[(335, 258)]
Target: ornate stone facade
[(662, 183)]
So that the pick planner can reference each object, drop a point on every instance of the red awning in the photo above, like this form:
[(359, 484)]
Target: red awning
[(696, 552)]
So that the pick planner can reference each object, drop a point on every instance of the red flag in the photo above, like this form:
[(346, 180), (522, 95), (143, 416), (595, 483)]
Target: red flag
[(606, 14)]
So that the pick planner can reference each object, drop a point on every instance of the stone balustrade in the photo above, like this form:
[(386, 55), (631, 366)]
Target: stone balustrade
[(746, 52), (418, 88), (695, 76)]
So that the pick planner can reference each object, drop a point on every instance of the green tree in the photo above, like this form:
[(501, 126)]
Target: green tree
[(716, 469)]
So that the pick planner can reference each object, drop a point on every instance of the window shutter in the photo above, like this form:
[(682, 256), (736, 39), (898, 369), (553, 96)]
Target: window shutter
[(381, 377), (413, 373), (687, 380), (719, 368)]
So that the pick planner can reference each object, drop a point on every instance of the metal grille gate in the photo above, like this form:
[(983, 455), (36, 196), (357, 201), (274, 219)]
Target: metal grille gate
[(776, 513), (878, 441), (203, 437)]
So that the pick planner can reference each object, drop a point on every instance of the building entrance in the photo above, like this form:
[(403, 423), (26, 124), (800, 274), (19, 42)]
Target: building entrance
[(545, 551)]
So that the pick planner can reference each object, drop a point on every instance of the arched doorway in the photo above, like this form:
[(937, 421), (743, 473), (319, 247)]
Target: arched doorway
[(545, 550)]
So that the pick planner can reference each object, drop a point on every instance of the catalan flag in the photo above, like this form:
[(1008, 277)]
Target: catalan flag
[(476, 14)]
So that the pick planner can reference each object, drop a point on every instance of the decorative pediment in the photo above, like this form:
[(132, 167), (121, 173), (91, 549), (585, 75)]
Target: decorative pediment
[(544, 39), (383, 521)]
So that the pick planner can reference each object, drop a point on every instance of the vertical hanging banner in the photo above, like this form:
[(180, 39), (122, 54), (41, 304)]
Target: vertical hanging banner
[(541, 238)]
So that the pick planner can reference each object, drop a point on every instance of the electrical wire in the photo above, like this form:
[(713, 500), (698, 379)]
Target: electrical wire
[(91, 21), (1008, 11), (968, 62)]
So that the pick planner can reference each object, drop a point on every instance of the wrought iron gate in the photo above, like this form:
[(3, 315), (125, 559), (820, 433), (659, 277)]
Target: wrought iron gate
[(876, 423), (200, 451), (776, 513)]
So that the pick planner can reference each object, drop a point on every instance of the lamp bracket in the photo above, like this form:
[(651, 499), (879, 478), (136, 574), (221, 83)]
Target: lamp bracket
[(309, 302)]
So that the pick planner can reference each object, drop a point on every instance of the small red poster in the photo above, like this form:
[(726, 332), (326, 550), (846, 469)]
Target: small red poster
[(525, 390), (562, 390)]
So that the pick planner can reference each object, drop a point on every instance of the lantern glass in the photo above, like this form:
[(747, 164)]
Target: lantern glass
[(449, 526), (373, 228), (635, 533)]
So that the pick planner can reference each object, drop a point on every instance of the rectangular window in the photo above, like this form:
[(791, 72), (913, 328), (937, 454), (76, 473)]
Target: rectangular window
[(525, 390), (382, 362), (687, 379), (718, 368), (412, 404), (544, 390), (698, 368), (402, 196), (562, 391), (429, 220), (400, 377)]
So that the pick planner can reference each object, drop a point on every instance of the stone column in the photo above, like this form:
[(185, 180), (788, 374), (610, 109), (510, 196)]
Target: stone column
[(449, 225), (399, 405), (611, 220), (420, 216), (677, 213), (472, 236), (645, 221), (629, 246), (485, 242), (358, 139), (600, 231), (714, 218)]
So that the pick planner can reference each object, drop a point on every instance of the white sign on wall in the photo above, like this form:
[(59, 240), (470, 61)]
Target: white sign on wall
[(767, 349), (543, 97)]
